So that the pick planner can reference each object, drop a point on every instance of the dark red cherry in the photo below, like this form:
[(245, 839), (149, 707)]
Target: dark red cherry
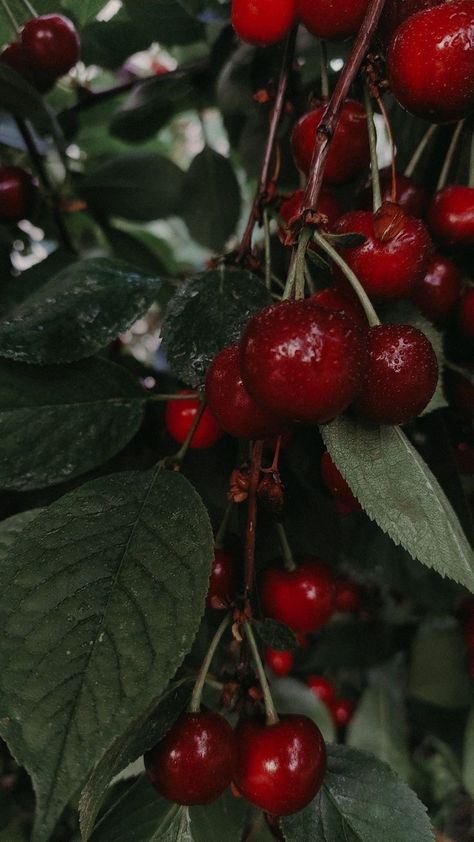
[(302, 362), (18, 193), (335, 301), (436, 293), (393, 257), (194, 763), (322, 688), (341, 711), (179, 418), (303, 599), (333, 20), (395, 12), (465, 313), (52, 43), (430, 62), (410, 196), (349, 152), (292, 206), (16, 57), (280, 662), (336, 484), (451, 216), (232, 405), (222, 581), (347, 597), (401, 377), (280, 768), (263, 23)]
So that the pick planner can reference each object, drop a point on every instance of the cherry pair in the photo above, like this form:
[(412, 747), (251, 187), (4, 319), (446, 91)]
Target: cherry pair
[(48, 47), (264, 22), (341, 709)]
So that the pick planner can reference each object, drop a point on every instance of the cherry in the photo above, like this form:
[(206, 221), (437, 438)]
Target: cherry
[(302, 362), (52, 44), (335, 301), (401, 375), (263, 23), (333, 20), (280, 662), (292, 206), (395, 253), (349, 152), (465, 314), (347, 597), (436, 293), (460, 392), (195, 761), (451, 216), (341, 711), (303, 599), (322, 688), (222, 580), (18, 191), (179, 418), (17, 57), (410, 196), (280, 767), (336, 484), (395, 12), (430, 62), (232, 405)]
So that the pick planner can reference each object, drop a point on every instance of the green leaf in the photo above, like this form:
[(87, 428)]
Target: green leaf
[(76, 312), (165, 21), (211, 199), (468, 754), (276, 635), (223, 820), (14, 290), (110, 43), (137, 814), (112, 580), (150, 106), (398, 491), (292, 696), (448, 685), (84, 11), (361, 800), (138, 185), (21, 99), (58, 422), (208, 313), (11, 528)]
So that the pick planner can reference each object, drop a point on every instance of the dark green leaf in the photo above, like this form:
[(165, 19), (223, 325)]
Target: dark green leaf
[(14, 290), (110, 43), (342, 645), (165, 21), (292, 696), (84, 11), (211, 199), (276, 635), (150, 106), (21, 99), (448, 685), (145, 251), (112, 580), (208, 313), (468, 754), (346, 241), (136, 815), (11, 528), (222, 821)]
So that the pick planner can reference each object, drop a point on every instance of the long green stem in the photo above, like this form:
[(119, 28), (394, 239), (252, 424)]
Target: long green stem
[(221, 532), (11, 17), (270, 710), (374, 161), (29, 8), (418, 153), (285, 548), (195, 703), (372, 317), (443, 176), (290, 281), (176, 397), (300, 261)]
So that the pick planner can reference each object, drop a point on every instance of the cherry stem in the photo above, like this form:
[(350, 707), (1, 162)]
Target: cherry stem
[(374, 161), (159, 398), (195, 704), (268, 251), (221, 532), (288, 557), (369, 311), (443, 176), (290, 279), (29, 8), (11, 17), (250, 532), (418, 153), (324, 69), (270, 710), (300, 262), (180, 455), (393, 164)]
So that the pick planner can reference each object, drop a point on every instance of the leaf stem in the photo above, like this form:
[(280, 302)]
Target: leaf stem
[(372, 317), (221, 532), (418, 153), (250, 532), (195, 704), (270, 710), (443, 176), (285, 548), (374, 161), (268, 252), (11, 17)]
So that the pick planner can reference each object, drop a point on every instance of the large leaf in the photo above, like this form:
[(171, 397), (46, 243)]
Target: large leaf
[(11, 528), (208, 313), (397, 490), (76, 312), (111, 580), (14, 290), (211, 199), (21, 99), (165, 21), (362, 800), (150, 106), (448, 685), (60, 421)]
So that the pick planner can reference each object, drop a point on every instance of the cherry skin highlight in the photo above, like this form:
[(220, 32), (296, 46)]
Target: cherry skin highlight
[(322, 688), (280, 662), (280, 768), (264, 22), (303, 599), (194, 763), (451, 216), (18, 192), (437, 292), (222, 580), (52, 44), (333, 20), (179, 418)]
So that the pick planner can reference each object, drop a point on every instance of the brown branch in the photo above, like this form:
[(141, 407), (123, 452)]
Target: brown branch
[(250, 533)]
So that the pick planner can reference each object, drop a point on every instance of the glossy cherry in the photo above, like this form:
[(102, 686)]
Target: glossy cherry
[(280, 662), (393, 257), (18, 193), (395, 12), (465, 313), (322, 688), (194, 763), (341, 712), (292, 206), (232, 405), (333, 20), (179, 418), (451, 216), (437, 292), (263, 23), (430, 62), (17, 57), (302, 362), (410, 196), (335, 301), (52, 44), (347, 597), (303, 599), (336, 484), (222, 580), (280, 768), (349, 152), (401, 377)]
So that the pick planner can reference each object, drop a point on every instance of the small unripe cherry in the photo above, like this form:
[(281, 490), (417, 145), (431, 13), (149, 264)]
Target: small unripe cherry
[(222, 580), (180, 416), (303, 599), (333, 20), (322, 688), (437, 292), (264, 22), (341, 711), (280, 661), (52, 44), (347, 597), (451, 216), (18, 193)]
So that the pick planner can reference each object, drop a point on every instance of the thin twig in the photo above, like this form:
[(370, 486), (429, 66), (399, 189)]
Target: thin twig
[(250, 532)]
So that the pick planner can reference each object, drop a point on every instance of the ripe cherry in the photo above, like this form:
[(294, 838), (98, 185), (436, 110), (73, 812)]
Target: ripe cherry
[(17, 57), (18, 192), (347, 597), (335, 301), (302, 362), (280, 768), (451, 216), (292, 206), (194, 763), (465, 313), (436, 293), (280, 662), (410, 196), (263, 23), (395, 253), (179, 418), (222, 580), (341, 711), (333, 20), (349, 152), (336, 484), (52, 44), (395, 12), (401, 377), (322, 688), (303, 599), (430, 62), (231, 404)]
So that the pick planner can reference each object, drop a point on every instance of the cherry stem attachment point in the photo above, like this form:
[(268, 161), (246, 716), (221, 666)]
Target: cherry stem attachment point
[(418, 153), (11, 17), (250, 532), (364, 299), (374, 161), (443, 176), (285, 548), (195, 704), (221, 532), (270, 710)]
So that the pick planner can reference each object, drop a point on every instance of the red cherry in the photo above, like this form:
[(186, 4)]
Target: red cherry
[(347, 597), (292, 206), (280, 662), (280, 767), (349, 152), (395, 12), (468, 632), (302, 599), (393, 257), (333, 20), (179, 418), (401, 375), (52, 43), (19, 60), (465, 314), (263, 23), (341, 711), (336, 484), (18, 191), (335, 301), (322, 688), (194, 762), (430, 62), (302, 362), (229, 401), (436, 293), (222, 580), (460, 392), (410, 196), (451, 216)]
